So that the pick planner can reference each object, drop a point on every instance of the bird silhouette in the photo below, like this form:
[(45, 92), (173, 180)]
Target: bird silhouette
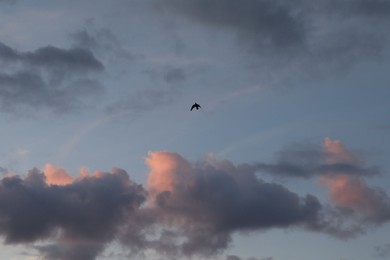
[(196, 105)]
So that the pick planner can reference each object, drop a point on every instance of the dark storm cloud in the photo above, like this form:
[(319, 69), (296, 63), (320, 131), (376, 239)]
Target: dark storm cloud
[(48, 78)]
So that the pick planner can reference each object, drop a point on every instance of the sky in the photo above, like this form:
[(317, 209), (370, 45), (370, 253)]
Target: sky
[(101, 157)]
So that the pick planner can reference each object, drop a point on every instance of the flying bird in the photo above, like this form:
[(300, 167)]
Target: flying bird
[(196, 105)]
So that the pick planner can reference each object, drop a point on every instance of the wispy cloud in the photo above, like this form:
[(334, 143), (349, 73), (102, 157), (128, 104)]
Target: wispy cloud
[(48, 78), (382, 251), (319, 37), (309, 160)]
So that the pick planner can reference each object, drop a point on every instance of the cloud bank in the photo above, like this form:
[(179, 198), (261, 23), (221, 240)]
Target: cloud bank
[(186, 209)]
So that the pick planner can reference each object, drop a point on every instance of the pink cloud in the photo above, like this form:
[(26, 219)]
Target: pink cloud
[(352, 191), (167, 171), (56, 175), (337, 152)]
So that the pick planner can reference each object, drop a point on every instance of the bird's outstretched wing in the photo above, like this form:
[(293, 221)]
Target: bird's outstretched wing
[(196, 105)]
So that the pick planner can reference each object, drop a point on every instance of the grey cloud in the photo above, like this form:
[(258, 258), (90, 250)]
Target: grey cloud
[(373, 8), (234, 257), (82, 216), (7, 53), (74, 252), (22, 88), (193, 209), (319, 37), (210, 201), (269, 23), (21, 91), (74, 59), (382, 251), (307, 160), (48, 78), (53, 58), (102, 41)]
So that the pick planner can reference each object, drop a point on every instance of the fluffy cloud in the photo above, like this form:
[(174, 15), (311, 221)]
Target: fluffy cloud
[(81, 216), (211, 199), (186, 209)]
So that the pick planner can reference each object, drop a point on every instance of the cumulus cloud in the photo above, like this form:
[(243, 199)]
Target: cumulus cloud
[(186, 209), (197, 207), (80, 216), (353, 193)]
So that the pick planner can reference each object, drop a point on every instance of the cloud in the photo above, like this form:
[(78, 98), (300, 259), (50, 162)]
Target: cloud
[(81, 216), (102, 41), (353, 193), (322, 36), (382, 251), (56, 175), (73, 60), (206, 202), (309, 160), (48, 78), (186, 209), (268, 23), (234, 257)]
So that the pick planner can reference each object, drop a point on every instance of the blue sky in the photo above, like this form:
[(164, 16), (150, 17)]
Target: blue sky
[(286, 160)]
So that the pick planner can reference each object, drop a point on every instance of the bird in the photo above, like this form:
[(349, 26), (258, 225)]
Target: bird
[(196, 105)]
